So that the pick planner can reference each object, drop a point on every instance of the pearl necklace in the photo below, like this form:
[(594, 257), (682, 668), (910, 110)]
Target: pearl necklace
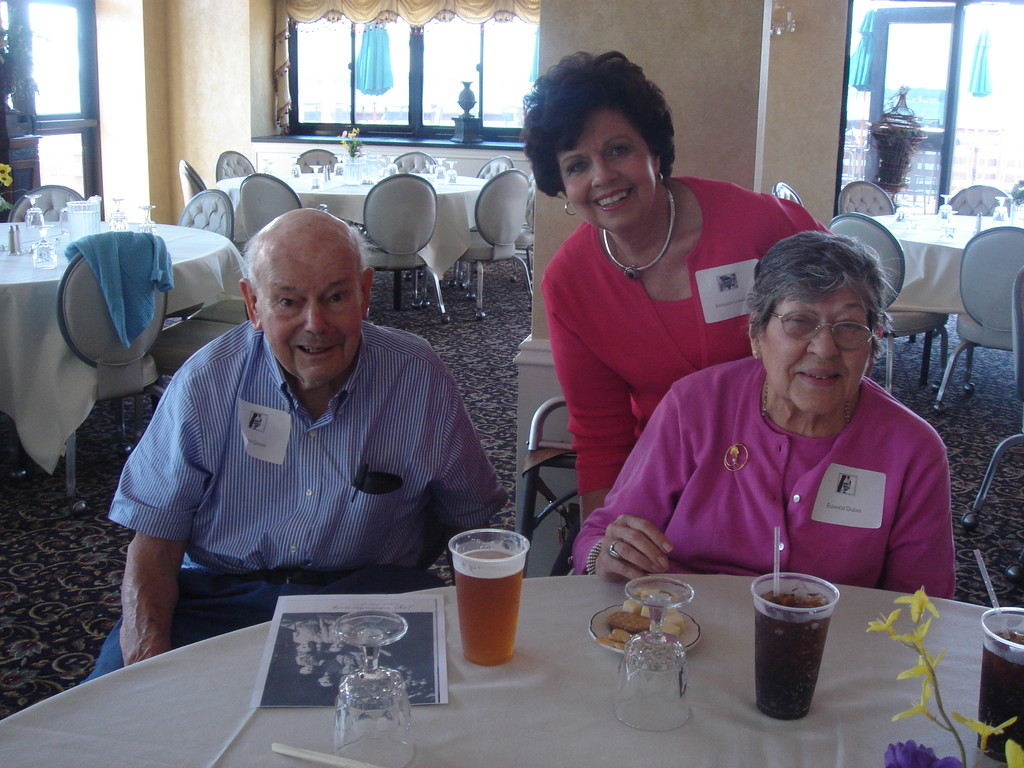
[(633, 272)]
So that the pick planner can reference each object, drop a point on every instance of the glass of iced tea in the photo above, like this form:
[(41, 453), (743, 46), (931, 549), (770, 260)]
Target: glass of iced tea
[(488, 566), (789, 638), (1002, 676)]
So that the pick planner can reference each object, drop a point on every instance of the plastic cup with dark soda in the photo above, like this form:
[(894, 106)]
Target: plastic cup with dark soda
[(1002, 676)]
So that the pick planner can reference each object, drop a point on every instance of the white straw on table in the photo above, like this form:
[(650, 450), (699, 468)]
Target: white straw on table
[(991, 590), (775, 563), (319, 757)]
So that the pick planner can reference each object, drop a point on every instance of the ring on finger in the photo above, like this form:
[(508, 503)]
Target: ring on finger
[(612, 551)]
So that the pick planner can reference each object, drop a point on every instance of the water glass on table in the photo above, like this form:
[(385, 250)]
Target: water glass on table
[(1002, 676), (790, 627), (654, 674), (488, 565)]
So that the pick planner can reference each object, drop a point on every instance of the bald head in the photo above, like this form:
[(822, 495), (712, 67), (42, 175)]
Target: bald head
[(302, 231)]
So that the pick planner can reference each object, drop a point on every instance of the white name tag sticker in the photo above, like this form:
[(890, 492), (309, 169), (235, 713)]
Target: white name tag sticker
[(723, 290), (850, 496), (265, 431)]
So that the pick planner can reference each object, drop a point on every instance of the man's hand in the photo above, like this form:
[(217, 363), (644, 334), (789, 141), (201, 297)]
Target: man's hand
[(148, 596)]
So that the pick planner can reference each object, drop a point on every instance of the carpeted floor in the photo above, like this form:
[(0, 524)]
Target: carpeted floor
[(60, 572)]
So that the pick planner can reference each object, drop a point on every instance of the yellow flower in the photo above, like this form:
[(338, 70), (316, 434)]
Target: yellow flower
[(983, 729), (919, 603), (921, 708), (885, 626), (5, 175), (1014, 755)]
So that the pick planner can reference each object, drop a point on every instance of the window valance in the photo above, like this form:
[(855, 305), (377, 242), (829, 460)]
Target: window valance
[(415, 12)]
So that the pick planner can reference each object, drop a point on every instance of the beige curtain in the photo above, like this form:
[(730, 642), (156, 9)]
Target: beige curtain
[(416, 12)]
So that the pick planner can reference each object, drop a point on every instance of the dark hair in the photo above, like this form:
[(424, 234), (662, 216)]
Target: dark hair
[(565, 97), (811, 266)]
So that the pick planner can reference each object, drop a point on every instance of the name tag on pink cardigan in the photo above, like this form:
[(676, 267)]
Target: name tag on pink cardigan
[(850, 496), (723, 290)]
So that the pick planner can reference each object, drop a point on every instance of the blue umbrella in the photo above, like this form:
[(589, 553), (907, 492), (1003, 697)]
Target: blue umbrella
[(860, 61), (373, 64), (980, 83)]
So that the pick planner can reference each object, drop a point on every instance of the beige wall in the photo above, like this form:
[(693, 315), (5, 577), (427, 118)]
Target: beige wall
[(205, 91)]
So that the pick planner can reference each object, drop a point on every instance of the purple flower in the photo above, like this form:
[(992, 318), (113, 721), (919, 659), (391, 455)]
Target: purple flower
[(911, 755)]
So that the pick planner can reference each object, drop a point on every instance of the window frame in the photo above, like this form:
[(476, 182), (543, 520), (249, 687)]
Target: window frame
[(415, 129)]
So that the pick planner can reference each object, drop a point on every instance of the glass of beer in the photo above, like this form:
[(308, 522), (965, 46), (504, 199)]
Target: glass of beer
[(488, 567), (1002, 676), (790, 628)]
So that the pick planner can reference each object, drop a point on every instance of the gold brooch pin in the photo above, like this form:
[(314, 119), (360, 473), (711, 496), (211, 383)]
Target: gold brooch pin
[(736, 456)]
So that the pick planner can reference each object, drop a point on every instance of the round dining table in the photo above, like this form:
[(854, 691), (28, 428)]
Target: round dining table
[(931, 282), (44, 387), (456, 205), (550, 706)]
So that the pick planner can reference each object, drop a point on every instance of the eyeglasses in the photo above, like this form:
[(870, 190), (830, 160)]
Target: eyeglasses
[(803, 326)]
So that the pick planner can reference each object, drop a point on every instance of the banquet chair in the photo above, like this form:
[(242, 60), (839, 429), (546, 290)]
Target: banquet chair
[(399, 217), (494, 166), (784, 191), (210, 210), (990, 263), (232, 164), (499, 215), (85, 323), (414, 162), (865, 197), (543, 455), (979, 198), (319, 157), (191, 183), (178, 342), (1015, 572), (52, 200), (866, 230), (525, 241), (261, 199)]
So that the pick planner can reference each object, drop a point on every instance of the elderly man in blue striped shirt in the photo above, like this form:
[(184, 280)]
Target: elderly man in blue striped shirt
[(298, 453)]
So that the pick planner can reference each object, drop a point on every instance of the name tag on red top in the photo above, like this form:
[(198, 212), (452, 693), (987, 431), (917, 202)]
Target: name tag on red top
[(723, 290)]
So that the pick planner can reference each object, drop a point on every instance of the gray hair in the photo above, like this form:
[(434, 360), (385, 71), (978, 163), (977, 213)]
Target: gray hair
[(811, 266), (251, 250)]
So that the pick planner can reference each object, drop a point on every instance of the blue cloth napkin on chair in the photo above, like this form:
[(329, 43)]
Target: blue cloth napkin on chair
[(128, 266)]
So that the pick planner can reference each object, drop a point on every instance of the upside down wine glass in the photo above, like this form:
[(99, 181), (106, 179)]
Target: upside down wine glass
[(34, 220), (373, 719), (654, 673)]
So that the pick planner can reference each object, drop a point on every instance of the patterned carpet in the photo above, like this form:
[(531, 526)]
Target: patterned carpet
[(59, 572)]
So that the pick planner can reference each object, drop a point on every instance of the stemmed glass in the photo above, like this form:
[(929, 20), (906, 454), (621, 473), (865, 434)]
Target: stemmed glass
[(296, 168), (653, 675), (339, 169), (373, 719), (945, 210), (315, 181), (453, 176), (118, 219), (147, 224), (440, 174), (34, 220), (44, 253), (999, 216)]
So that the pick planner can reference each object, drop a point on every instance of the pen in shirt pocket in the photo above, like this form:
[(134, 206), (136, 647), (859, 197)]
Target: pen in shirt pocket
[(374, 483)]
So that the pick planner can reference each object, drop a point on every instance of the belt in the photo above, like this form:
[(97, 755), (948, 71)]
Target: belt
[(292, 576)]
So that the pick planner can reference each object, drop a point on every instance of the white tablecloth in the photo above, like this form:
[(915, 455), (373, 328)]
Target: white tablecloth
[(455, 211), (932, 280), (46, 389), (550, 706)]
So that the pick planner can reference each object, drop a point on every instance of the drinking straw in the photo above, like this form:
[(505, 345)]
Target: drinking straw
[(991, 590), (775, 564)]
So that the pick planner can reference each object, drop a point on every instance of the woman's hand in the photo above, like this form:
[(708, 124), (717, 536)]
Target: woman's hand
[(640, 548)]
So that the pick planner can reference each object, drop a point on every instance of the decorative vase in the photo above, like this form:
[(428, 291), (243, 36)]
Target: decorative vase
[(354, 169), (467, 100)]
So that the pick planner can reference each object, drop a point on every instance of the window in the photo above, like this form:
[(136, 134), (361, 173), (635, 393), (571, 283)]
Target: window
[(958, 58), (394, 79)]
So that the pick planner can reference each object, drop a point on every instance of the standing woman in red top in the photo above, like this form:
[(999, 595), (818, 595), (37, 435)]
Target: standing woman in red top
[(652, 284)]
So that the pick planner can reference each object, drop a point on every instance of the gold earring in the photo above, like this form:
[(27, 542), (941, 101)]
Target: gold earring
[(567, 206)]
